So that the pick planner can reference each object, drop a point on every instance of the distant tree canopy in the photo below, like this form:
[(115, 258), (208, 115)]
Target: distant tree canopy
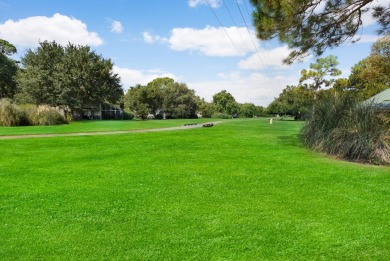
[(372, 74), (311, 26), (72, 75), (294, 100), (225, 103), (7, 48), (8, 70), (368, 77), (162, 97), (321, 74)]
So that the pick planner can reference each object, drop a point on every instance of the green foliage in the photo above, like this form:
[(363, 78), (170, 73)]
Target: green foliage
[(7, 48), (220, 115), (312, 26), (73, 75), (249, 110), (381, 13), (142, 111), (319, 75), (206, 109), (155, 93), (162, 95), (10, 114), (319, 71), (128, 115), (348, 130), (8, 71), (372, 74), (294, 100), (179, 102), (225, 103)]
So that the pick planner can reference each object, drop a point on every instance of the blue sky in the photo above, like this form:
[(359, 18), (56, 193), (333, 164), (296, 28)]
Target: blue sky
[(181, 39)]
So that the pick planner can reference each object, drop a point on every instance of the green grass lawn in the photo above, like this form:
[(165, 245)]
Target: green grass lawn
[(241, 190), (97, 125)]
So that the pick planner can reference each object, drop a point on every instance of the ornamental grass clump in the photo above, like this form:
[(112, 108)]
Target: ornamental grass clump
[(46, 115), (343, 128), (11, 114)]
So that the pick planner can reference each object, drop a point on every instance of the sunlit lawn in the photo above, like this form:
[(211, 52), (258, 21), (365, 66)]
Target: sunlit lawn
[(241, 190), (97, 125)]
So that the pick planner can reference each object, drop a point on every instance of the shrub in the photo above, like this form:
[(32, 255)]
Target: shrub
[(219, 115), (45, 115), (352, 131), (128, 115), (11, 114)]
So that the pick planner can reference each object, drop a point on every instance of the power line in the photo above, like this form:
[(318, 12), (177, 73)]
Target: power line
[(249, 15), (208, 3), (253, 42), (227, 9)]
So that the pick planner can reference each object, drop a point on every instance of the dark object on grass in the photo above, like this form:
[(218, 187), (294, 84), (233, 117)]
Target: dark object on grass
[(190, 124), (208, 125)]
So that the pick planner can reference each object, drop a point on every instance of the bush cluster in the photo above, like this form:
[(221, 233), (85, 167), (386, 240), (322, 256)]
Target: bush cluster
[(128, 115), (354, 131), (219, 115), (24, 115)]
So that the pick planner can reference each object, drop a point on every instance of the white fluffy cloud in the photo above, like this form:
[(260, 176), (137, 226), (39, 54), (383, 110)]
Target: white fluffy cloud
[(213, 3), (116, 27), (213, 41), (60, 28), (265, 59), (149, 38), (257, 88), (132, 77)]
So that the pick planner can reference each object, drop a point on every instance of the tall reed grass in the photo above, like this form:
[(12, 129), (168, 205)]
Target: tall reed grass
[(350, 130), (12, 114)]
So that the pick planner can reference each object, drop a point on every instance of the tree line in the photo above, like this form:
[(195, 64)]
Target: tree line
[(368, 77), (163, 98), (75, 77)]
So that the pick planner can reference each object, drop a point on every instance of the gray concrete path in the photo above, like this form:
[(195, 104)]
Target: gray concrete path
[(28, 136)]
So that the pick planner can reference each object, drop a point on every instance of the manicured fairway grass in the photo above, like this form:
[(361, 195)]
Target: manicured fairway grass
[(94, 126), (241, 190)]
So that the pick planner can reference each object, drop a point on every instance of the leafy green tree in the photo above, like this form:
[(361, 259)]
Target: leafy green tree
[(8, 70), (155, 93), (206, 109), (73, 75), (294, 100), (319, 74), (136, 100), (260, 111), (248, 110), (312, 26), (372, 74), (87, 79), (42, 71), (7, 48), (225, 103), (179, 101)]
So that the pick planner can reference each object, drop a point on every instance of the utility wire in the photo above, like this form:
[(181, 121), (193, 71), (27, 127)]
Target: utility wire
[(249, 15), (238, 51), (253, 42), (227, 9)]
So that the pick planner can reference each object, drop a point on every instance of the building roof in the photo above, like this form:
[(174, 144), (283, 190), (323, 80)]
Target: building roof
[(380, 100)]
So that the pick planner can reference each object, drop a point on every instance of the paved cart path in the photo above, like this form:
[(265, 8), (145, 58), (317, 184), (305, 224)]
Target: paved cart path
[(27, 136)]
